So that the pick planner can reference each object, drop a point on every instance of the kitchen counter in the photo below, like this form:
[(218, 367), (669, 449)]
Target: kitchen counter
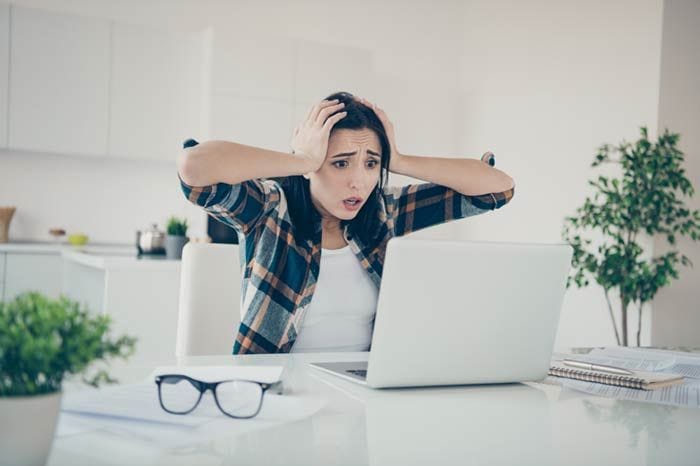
[(57, 248), (129, 260), (139, 294), (101, 256)]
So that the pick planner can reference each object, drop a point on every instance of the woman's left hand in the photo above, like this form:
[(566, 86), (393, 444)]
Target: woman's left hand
[(396, 156)]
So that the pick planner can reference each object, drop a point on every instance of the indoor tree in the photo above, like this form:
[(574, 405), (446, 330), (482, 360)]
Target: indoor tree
[(648, 199)]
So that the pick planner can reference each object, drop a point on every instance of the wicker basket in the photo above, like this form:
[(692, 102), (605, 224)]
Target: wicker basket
[(6, 214)]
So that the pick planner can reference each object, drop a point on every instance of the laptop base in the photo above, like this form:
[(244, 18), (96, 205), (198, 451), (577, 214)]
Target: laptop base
[(354, 371)]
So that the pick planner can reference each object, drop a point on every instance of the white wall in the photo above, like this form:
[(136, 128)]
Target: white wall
[(540, 83), (545, 84), (676, 315), (108, 199)]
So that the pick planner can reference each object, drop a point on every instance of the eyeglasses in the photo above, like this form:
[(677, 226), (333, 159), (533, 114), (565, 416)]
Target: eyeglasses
[(240, 399)]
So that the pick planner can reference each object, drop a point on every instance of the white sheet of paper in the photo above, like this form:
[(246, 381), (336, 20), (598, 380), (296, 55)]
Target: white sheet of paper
[(140, 401), (133, 411), (619, 361), (686, 364), (137, 402), (645, 353), (277, 409)]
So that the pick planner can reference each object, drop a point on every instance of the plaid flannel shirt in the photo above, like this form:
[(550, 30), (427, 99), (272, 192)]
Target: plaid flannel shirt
[(280, 272)]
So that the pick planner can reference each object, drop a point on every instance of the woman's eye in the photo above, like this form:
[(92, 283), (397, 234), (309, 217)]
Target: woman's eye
[(370, 163)]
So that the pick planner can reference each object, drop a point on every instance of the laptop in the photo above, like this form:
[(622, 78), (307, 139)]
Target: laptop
[(463, 312)]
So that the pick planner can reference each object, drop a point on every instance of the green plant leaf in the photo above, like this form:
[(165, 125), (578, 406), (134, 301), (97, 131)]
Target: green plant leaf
[(648, 197), (42, 340)]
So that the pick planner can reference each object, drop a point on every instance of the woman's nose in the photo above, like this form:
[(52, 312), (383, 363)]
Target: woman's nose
[(356, 179)]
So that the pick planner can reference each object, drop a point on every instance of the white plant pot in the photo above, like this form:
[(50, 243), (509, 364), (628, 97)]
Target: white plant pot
[(27, 426)]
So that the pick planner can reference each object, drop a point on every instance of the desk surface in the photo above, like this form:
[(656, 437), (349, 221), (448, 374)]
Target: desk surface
[(530, 424)]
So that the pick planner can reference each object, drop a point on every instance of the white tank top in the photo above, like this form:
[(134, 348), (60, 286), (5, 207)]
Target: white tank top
[(340, 316)]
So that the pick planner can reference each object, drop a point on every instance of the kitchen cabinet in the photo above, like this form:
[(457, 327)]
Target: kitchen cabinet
[(156, 92), (322, 69), (32, 272), (84, 283), (248, 121), (253, 66), (59, 82), (252, 89), (4, 69), (140, 295)]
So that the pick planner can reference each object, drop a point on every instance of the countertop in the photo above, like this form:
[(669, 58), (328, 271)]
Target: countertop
[(98, 255), (39, 247), (121, 261)]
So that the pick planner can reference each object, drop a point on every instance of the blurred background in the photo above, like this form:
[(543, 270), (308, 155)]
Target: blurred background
[(97, 96)]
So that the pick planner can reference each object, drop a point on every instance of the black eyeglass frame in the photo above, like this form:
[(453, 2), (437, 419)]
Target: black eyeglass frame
[(204, 386)]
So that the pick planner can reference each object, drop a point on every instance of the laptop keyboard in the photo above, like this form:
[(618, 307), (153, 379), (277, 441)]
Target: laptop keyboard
[(359, 372)]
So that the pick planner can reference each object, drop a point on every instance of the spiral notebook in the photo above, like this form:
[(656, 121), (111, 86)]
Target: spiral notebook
[(641, 380)]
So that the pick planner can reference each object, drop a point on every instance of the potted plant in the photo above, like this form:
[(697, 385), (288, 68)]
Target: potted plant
[(43, 341), (176, 239), (646, 200)]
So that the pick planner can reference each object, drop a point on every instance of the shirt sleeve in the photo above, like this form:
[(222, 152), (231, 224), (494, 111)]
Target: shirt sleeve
[(243, 206), (417, 206)]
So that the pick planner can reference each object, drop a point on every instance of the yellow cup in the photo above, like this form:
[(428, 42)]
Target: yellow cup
[(77, 239)]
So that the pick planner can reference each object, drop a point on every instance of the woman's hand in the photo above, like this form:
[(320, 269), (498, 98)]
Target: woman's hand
[(310, 139), (396, 156)]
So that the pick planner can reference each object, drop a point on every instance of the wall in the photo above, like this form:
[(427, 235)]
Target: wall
[(88, 194), (676, 315), (541, 84), (545, 84)]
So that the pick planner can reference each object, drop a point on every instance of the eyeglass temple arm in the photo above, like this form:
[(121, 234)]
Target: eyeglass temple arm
[(276, 387)]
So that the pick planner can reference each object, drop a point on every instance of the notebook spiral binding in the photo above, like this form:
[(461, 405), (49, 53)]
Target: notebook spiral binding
[(598, 377)]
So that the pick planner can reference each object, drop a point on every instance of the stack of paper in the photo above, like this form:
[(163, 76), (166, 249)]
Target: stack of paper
[(666, 362), (134, 410)]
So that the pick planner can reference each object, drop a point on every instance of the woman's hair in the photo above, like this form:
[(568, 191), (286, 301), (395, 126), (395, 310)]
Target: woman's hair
[(366, 224)]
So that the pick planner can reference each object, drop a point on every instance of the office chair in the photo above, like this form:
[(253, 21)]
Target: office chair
[(210, 299)]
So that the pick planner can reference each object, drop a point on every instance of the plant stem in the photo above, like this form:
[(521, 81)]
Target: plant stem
[(623, 314), (612, 317), (639, 324)]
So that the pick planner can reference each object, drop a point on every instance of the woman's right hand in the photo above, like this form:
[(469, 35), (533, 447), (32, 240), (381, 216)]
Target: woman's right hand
[(310, 139)]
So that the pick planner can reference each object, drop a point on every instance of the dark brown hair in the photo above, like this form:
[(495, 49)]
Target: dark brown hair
[(366, 224)]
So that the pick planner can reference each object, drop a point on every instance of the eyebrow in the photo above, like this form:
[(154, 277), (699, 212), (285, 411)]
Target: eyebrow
[(350, 154)]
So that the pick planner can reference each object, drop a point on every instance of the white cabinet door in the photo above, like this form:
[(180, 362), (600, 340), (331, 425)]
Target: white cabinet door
[(84, 284), (253, 121), (156, 92), (32, 272), (59, 82), (322, 69), (4, 69)]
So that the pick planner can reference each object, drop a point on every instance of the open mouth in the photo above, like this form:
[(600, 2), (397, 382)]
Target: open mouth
[(352, 202)]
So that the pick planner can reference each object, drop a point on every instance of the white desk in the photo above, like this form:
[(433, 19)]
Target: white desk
[(497, 424)]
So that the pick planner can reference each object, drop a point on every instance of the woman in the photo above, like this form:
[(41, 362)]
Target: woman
[(326, 207)]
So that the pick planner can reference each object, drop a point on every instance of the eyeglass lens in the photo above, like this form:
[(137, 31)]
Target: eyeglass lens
[(239, 398), (178, 395)]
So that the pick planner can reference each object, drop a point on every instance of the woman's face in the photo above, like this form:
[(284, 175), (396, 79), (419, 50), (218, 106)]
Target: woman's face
[(351, 170)]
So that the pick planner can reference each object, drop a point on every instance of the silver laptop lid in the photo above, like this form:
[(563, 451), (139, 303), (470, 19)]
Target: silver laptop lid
[(464, 312)]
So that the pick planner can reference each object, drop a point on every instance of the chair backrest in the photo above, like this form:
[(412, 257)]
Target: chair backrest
[(210, 299)]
